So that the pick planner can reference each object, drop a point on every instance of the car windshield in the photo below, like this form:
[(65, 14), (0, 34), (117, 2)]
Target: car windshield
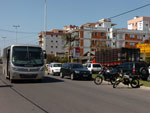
[(57, 65), (77, 66), (27, 56)]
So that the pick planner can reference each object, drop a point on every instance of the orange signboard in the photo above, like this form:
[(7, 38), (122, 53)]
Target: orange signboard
[(144, 48)]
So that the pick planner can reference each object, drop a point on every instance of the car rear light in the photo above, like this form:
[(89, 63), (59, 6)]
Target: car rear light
[(133, 70)]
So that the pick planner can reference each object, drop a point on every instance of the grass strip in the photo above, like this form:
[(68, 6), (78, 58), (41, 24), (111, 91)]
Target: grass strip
[(145, 83)]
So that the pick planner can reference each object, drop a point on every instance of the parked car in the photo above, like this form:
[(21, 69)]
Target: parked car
[(134, 68), (94, 67), (54, 68), (75, 71)]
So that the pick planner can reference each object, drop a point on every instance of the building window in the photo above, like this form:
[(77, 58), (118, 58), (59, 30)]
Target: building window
[(120, 36), (132, 44), (56, 46), (51, 52), (77, 43), (100, 24), (56, 41), (51, 35), (51, 46), (139, 37), (51, 40), (102, 34), (114, 35), (95, 33), (131, 36)]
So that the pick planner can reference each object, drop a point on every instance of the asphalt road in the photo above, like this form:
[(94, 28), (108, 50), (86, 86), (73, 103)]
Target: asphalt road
[(55, 95)]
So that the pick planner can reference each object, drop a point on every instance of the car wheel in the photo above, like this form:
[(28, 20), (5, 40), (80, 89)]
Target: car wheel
[(53, 73), (144, 73), (12, 81), (72, 76), (61, 75)]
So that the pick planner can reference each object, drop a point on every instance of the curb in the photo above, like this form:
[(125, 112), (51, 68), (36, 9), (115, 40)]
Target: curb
[(144, 87)]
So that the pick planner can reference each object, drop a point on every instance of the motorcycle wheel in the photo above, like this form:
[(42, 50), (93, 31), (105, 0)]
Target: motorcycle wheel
[(135, 83), (116, 84), (113, 80), (98, 80)]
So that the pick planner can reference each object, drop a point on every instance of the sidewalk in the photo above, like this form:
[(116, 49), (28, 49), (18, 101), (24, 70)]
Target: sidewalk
[(145, 88)]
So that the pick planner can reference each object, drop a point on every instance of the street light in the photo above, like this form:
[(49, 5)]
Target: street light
[(16, 26), (45, 24)]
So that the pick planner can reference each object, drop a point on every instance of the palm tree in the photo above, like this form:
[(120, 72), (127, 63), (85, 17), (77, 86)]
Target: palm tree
[(69, 38)]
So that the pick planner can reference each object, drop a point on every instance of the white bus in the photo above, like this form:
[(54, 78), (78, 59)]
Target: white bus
[(23, 62)]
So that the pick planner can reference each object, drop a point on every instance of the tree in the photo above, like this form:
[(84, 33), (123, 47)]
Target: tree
[(69, 38)]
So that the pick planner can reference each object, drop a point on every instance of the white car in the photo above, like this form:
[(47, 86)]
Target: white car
[(54, 68), (94, 67)]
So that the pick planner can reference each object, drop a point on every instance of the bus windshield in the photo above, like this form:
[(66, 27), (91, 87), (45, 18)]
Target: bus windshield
[(27, 56)]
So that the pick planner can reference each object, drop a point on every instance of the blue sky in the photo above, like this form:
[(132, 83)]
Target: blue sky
[(29, 15)]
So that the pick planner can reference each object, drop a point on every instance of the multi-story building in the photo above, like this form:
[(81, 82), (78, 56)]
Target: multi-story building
[(91, 37), (139, 23), (54, 42), (94, 36)]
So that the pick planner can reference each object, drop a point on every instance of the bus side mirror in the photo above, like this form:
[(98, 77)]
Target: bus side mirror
[(8, 53), (45, 55)]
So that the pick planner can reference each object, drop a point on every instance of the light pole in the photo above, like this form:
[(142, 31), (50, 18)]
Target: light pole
[(45, 24), (16, 26)]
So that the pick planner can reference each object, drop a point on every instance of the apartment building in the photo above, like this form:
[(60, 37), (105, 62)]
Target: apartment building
[(103, 34), (54, 42), (139, 23), (91, 37)]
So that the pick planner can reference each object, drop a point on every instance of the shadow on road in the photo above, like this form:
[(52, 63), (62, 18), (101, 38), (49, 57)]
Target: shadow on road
[(4, 86), (121, 87), (45, 80), (48, 79)]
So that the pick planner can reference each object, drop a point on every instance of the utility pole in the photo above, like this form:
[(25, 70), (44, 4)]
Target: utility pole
[(16, 26), (91, 30), (45, 24)]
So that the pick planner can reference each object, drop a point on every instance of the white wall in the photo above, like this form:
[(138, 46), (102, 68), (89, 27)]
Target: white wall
[(86, 44), (54, 44), (130, 26)]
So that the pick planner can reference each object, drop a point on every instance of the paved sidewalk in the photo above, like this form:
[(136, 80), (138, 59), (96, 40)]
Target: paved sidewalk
[(145, 88)]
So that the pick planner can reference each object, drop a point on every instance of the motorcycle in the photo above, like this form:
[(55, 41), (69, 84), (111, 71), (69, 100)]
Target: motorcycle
[(126, 79), (109, 75)]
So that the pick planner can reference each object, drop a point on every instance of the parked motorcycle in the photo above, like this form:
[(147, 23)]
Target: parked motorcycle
[(109, 75), (127, 80)]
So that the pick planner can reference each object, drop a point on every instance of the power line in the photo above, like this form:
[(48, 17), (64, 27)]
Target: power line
[(129, 11), (18, 32)]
